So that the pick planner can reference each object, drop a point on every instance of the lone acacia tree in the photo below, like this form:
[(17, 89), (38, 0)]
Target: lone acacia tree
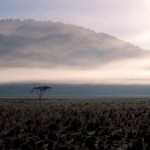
[(40, 90)]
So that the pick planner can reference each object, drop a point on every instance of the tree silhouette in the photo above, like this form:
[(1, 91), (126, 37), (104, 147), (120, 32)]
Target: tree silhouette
[(40, 90)]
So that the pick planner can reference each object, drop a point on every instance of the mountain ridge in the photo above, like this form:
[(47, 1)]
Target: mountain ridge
[(31, 43)]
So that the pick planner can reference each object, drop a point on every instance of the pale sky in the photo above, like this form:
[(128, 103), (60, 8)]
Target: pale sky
[(126, 19)]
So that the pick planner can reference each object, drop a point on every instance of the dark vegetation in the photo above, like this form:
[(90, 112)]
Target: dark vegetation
[(101, 124), (40, 90)]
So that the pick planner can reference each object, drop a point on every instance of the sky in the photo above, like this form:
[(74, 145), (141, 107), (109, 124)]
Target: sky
[(125, 19)]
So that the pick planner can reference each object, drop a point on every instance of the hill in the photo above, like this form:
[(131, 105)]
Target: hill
[(32, 43)]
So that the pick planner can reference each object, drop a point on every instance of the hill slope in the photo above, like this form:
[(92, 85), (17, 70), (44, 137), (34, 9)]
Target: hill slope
[(32, 43)]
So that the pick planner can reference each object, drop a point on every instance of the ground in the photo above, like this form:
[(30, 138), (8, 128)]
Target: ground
[(75, 124)]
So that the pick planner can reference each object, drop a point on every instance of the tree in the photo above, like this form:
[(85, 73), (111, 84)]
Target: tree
[(40, 90)]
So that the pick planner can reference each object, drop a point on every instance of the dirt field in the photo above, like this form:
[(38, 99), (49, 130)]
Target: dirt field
[(75, 124)]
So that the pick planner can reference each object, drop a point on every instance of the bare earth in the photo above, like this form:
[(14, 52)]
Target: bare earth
[(75, 124)]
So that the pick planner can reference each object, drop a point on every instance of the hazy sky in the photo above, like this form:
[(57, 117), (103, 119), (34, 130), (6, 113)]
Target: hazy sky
[(125, 19)]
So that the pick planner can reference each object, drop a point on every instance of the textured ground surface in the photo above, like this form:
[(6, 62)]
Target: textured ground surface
[(75, 124)]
